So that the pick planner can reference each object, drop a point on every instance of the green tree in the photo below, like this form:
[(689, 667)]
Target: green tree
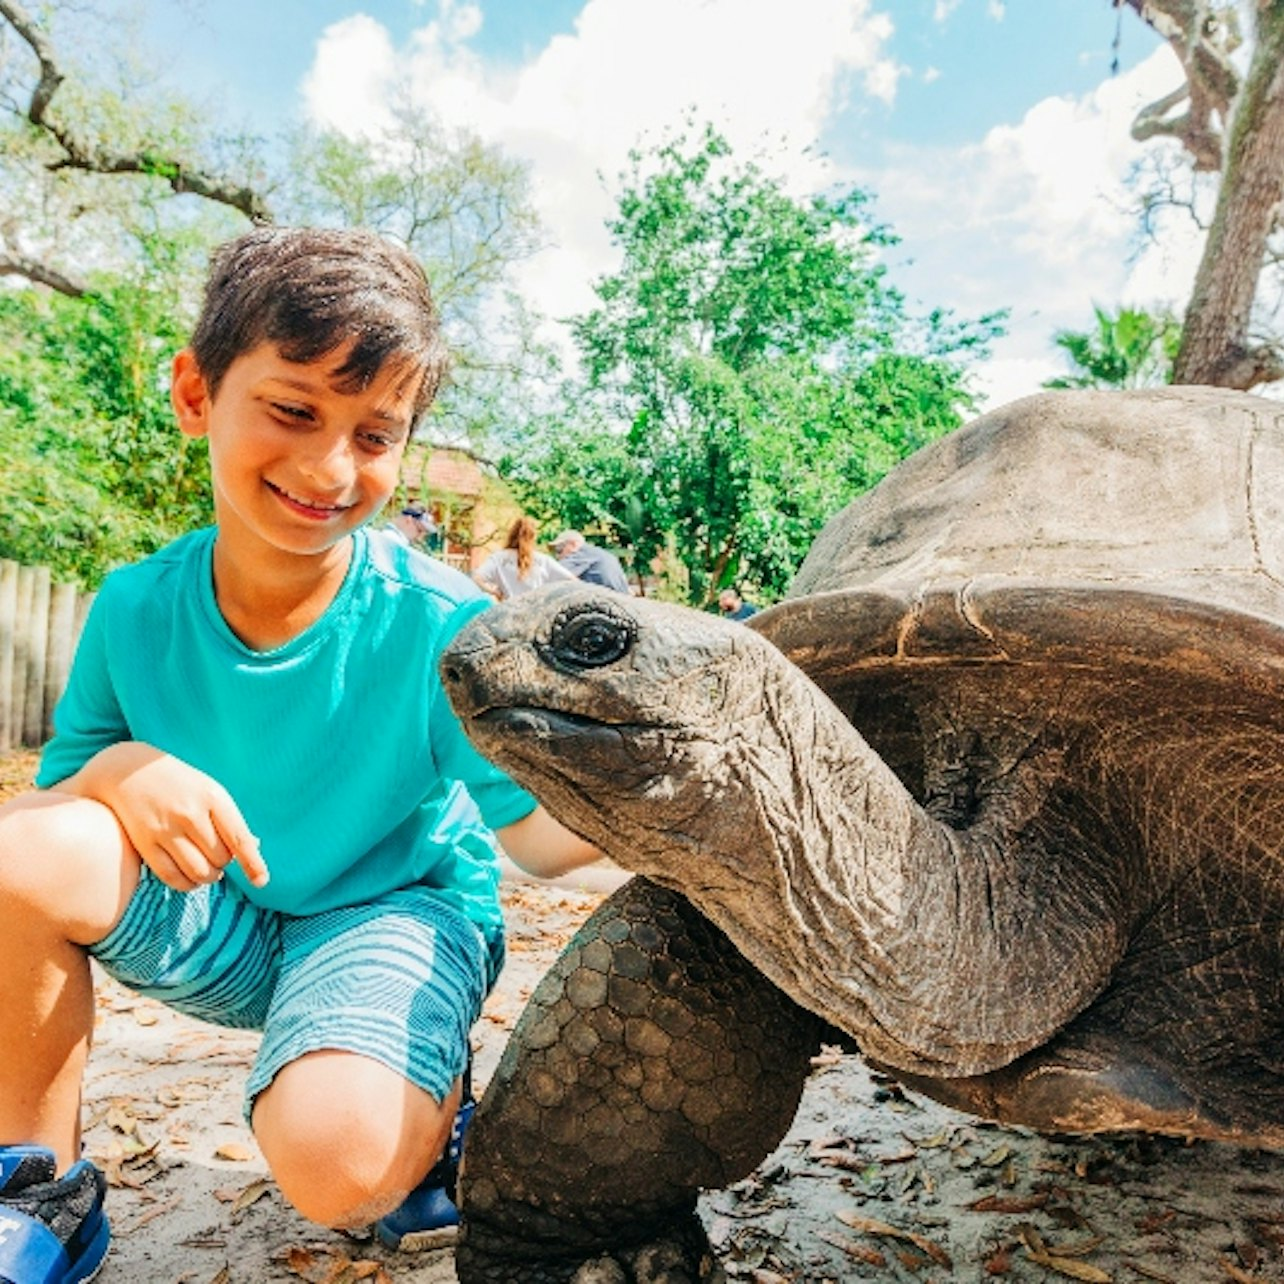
[(113, 192), (1131, 349), (94, 473), (747, 370)]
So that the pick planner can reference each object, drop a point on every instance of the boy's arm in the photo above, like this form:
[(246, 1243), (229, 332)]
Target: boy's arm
[(544, 847)]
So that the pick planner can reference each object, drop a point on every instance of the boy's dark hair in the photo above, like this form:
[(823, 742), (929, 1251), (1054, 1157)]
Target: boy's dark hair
[(312, 290)]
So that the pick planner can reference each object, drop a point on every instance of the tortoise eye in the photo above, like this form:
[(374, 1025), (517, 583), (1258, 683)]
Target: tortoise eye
[(589, 637)]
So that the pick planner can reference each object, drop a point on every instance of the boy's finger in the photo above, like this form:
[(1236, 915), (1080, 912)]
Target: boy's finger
[(245, 852), (191, 861), (162, 865), (242, 844), (251, 861)]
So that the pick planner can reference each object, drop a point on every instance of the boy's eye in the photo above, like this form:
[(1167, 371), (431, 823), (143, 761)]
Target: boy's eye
[(299, 413)]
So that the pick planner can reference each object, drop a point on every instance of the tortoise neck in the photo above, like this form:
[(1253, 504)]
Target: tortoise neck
[(940, 950)]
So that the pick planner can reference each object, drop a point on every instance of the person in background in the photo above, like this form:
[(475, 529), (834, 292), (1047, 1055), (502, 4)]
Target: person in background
[(414, 525), (261, 696), (733, 606), (519, 566), (588, 562)]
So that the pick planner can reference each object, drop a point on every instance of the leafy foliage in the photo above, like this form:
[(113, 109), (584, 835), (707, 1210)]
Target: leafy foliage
[(95, 473), (1131, 349), (747, 370)]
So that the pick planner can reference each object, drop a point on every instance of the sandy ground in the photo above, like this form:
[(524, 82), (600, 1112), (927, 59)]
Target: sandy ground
[(870, 1183), (190, 1200)]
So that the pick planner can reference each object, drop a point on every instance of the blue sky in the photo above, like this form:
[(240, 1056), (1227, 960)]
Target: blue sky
[(992, 69), (992, 132)]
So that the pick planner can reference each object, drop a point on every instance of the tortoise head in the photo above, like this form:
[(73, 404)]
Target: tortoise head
[(629, 718)]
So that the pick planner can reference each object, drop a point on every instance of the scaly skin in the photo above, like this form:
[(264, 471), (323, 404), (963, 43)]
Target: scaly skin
[(651, 1061), (999, 791)]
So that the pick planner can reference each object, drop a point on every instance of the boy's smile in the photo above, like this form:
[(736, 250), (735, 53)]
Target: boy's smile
[(299, 459)]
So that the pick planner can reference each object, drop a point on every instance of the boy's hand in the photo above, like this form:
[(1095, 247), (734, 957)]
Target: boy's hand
[(183, 824)]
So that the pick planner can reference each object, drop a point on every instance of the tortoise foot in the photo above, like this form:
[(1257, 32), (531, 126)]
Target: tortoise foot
[(665, 1261), (679, 1254)]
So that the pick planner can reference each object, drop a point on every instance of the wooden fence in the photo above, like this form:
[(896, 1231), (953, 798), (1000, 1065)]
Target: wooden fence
[(40, 622)]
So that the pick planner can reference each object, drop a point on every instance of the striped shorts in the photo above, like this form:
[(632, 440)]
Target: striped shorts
[(400, 979)]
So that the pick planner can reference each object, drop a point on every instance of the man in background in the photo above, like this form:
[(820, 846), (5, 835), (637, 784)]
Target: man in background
[(733, 606), (591, 564), (414, 524)]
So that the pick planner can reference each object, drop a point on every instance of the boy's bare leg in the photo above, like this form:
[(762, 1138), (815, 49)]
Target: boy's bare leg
[(347, 1138), (66, 874), (343, 1134)]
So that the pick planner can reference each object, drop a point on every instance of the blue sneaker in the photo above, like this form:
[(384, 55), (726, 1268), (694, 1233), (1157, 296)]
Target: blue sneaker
[(52, 1230), (428, 1218)]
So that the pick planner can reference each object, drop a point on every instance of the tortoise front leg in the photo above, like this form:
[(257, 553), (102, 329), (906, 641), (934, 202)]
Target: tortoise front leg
[(651, 1061)]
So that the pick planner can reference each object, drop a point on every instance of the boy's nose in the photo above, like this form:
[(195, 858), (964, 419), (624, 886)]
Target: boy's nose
[(329, 464)]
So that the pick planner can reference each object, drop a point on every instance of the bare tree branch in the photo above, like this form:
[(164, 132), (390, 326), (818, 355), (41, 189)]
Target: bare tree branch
[(1216, 347), (440, 443), (42, 274), (1232, 126), (102, 159), (1203, 39), (50, 77)]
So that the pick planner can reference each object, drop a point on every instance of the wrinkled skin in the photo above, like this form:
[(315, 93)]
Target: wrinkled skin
[(1002, 798)]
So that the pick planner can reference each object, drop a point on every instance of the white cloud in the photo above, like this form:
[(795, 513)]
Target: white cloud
[(1038, 217), (1005, 379), (1035, 216), (626, 73), (944, 8), (462, 21), (353, 65), (997, 10), (931, 75)]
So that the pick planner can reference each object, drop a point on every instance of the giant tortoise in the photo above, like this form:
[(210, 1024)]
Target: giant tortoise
[(998, 791)]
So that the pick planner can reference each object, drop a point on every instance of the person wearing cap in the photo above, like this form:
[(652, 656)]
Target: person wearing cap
[(588, 562), (414, 525)]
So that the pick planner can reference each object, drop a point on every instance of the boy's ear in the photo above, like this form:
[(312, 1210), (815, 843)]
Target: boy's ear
[(189, 395)]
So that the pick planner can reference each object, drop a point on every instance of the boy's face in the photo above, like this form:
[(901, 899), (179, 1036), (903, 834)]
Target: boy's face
[(296, 463)]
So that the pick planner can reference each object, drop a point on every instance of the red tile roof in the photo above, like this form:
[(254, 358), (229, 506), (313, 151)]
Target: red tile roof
[(455, 474)]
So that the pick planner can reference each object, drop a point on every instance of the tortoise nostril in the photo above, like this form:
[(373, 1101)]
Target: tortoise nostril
[(452, 673)]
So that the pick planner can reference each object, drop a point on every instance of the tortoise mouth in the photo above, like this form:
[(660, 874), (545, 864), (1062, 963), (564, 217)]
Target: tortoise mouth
[(556, 724)]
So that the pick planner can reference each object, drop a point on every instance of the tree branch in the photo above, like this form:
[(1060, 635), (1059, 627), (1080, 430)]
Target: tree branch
[(1216, 347), (100, 159), (1245, 367), (50, 77), (18, 265), (431, 444), (1203, 47)]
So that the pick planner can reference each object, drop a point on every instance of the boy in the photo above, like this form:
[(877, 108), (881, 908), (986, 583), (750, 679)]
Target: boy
[(257, 804)]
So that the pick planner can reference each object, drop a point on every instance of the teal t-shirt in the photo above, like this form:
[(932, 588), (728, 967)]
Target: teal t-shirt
[(339, 747)]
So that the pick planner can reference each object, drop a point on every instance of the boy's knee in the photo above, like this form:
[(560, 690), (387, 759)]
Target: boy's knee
[(343, 1174), (33, 834), (345, 1168), (38, 824), (64, 858)]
